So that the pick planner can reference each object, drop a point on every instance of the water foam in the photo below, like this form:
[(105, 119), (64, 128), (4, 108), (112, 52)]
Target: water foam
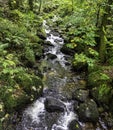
[(36, 110)]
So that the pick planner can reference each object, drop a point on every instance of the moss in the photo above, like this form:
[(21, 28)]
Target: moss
[(13, 99), (102, 93)]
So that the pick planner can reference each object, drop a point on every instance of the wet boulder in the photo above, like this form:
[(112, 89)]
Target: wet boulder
[(81, 95), (55, 33), (51, 118), (58, 40), (74, 125), (54, 105), (88, 111), (47, 44), (51, 56)]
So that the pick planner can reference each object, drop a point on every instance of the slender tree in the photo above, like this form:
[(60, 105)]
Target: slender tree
[(40, 5), (103, 37), (30, 2), (72, 4)]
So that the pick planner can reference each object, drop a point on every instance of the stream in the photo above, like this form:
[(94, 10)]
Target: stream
[(55, 109)]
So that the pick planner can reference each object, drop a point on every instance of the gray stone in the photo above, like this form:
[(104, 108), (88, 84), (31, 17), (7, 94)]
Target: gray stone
[(51, 56), (54, 105), (88, 111), (81, 95)]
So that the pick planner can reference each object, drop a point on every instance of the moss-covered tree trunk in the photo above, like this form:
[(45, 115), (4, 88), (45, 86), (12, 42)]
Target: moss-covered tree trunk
[(103, 40), (103, 37), (72, 4), (40, 5), (30, 2)]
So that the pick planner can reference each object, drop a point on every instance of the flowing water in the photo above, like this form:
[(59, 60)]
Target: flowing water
[(36, 117)]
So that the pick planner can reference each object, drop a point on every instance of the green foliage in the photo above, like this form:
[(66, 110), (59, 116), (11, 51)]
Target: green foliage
[(29, 55), (104, 90), (71, 45), (19, 45), (98, 77), (82, 59), (102, 93)]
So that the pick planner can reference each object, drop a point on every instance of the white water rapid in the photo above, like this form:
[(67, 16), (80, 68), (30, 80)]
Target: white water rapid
[(36, 116)]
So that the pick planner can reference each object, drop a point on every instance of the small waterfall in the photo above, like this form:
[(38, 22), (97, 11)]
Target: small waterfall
[(57, 43), (34, 117), (65, 118), (36, 111)]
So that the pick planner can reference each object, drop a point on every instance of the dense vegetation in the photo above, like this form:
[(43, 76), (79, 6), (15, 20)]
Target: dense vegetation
[(87, 28)]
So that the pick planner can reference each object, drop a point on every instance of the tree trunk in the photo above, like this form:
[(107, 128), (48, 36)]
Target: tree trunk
[(103, 38), (30, 4), (72, 5), (40, 5)]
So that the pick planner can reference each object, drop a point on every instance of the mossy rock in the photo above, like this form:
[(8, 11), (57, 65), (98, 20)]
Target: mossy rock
[(16, 100), (88, 111), (31, 84), (41, 33)]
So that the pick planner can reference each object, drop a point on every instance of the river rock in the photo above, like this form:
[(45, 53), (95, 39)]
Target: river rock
[(55, 33), (74, 125), (47, 43), (54, 105), (51, 118), (88, 111), (51, 56), (81, 95), (58, 40)]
